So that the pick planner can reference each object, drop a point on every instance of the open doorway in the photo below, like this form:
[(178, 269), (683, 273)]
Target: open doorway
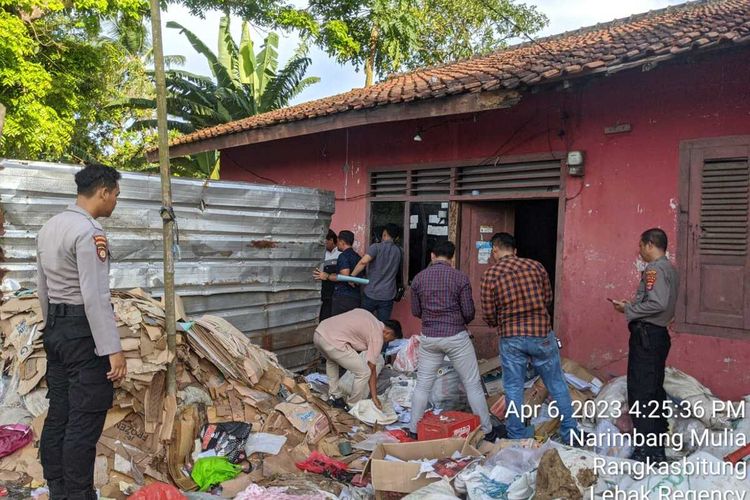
[(536, 234), (532, 222)]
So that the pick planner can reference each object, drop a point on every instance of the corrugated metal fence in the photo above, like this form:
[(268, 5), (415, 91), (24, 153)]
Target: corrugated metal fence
[(246, 251)]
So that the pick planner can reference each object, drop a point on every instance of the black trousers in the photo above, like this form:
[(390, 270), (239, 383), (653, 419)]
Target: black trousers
[(649, 346), (345, 303), (79, 397), (326, 307)]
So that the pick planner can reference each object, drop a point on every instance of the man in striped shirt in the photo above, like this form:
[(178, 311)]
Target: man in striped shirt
[(516, 295), (441, 298)]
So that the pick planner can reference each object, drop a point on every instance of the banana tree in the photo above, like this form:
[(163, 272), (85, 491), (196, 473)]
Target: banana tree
[(242, 84)]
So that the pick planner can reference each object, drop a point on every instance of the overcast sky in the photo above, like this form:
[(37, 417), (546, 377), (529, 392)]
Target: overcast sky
[(335, 78)]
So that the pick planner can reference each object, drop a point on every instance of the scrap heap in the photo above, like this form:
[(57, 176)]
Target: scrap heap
[(151, 436)]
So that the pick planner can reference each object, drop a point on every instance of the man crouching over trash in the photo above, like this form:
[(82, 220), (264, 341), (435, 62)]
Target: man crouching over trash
[(340, 338)]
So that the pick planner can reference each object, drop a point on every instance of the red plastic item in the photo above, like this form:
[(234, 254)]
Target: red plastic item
[(498, 408), (447, 424), (738, 455), (158, 491), (14, 437), (318, 463), (401, 435)]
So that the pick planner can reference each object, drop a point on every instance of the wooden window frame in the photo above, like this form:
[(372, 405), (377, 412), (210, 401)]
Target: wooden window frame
[(454, 223), (681, 324)]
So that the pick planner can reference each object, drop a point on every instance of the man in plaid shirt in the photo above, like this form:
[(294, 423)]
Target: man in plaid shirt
[(441, 298), (516, 295)]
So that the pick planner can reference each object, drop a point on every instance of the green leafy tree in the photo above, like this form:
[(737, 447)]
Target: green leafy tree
[(242, 84), (56, 73), (385, 36)]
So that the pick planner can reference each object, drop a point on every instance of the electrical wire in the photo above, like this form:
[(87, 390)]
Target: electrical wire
[(267, 179), (496, 155)]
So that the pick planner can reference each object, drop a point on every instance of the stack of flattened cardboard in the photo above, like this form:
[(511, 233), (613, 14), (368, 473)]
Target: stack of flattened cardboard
[(130, 443), (150, 435)]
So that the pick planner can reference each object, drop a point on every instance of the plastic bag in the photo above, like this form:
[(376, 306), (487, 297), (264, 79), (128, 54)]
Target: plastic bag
[(14, 437), (261, 442), (406, 359), (448, 393), (318, 463), (401, 391), (486, 483), (157, 491), (373, 440), (255, 492), (519, 460), (682, 386), (210, 471), (227, 439), (440, 490)]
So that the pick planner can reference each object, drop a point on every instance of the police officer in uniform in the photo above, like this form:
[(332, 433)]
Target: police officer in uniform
[(84, 355), (648, 316)]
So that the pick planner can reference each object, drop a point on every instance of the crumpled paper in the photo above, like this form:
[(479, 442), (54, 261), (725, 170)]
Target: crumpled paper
[(367, 412)]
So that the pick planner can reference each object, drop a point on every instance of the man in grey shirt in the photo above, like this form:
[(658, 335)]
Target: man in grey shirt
[(648, 316), (383, 263), (84, 355)]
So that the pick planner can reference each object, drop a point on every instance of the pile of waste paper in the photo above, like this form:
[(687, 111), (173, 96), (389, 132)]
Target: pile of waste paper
[(237, 414), (241, 426)]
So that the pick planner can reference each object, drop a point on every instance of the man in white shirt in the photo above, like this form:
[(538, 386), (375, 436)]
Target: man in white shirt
[(329, 266)]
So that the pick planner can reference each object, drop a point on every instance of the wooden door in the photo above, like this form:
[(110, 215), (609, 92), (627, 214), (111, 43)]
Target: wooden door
[(717, 281), (479, 221)]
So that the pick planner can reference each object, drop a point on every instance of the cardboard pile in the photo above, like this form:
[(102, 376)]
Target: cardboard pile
[(151, 436)]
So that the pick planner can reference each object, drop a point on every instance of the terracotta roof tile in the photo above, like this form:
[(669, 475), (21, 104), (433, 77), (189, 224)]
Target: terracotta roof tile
[(674, 30)]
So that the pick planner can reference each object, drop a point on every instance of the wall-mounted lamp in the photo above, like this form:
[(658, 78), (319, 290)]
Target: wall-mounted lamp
[(417, 137), (575, 163)]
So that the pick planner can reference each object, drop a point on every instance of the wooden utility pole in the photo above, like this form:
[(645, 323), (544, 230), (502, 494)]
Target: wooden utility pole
[(2, 118), (167, 214)]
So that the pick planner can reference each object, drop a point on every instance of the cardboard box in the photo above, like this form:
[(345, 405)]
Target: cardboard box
[(593, 384), (399, 476)]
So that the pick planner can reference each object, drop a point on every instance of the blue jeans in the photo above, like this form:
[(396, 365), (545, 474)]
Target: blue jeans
[(380, 308), (544, 354)]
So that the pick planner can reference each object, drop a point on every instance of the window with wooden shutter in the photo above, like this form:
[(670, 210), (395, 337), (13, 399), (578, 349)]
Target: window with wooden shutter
[(388, 183), (714, 236)]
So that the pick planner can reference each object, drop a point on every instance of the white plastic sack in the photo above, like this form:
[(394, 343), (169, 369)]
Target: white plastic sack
[(517, 459), (705, 481), (606, 432), (487, 483), (440, 490), (394, 346), (407, 357), (367, 412), (614, 395), (401, 390), (682, 386), (686, 427)]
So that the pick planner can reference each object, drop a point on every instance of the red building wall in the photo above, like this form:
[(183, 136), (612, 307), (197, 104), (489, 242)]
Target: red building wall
[(631, 183)]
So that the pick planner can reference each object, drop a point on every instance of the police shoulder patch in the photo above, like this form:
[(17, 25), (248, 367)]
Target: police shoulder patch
[(650, 279), (100, 241)]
